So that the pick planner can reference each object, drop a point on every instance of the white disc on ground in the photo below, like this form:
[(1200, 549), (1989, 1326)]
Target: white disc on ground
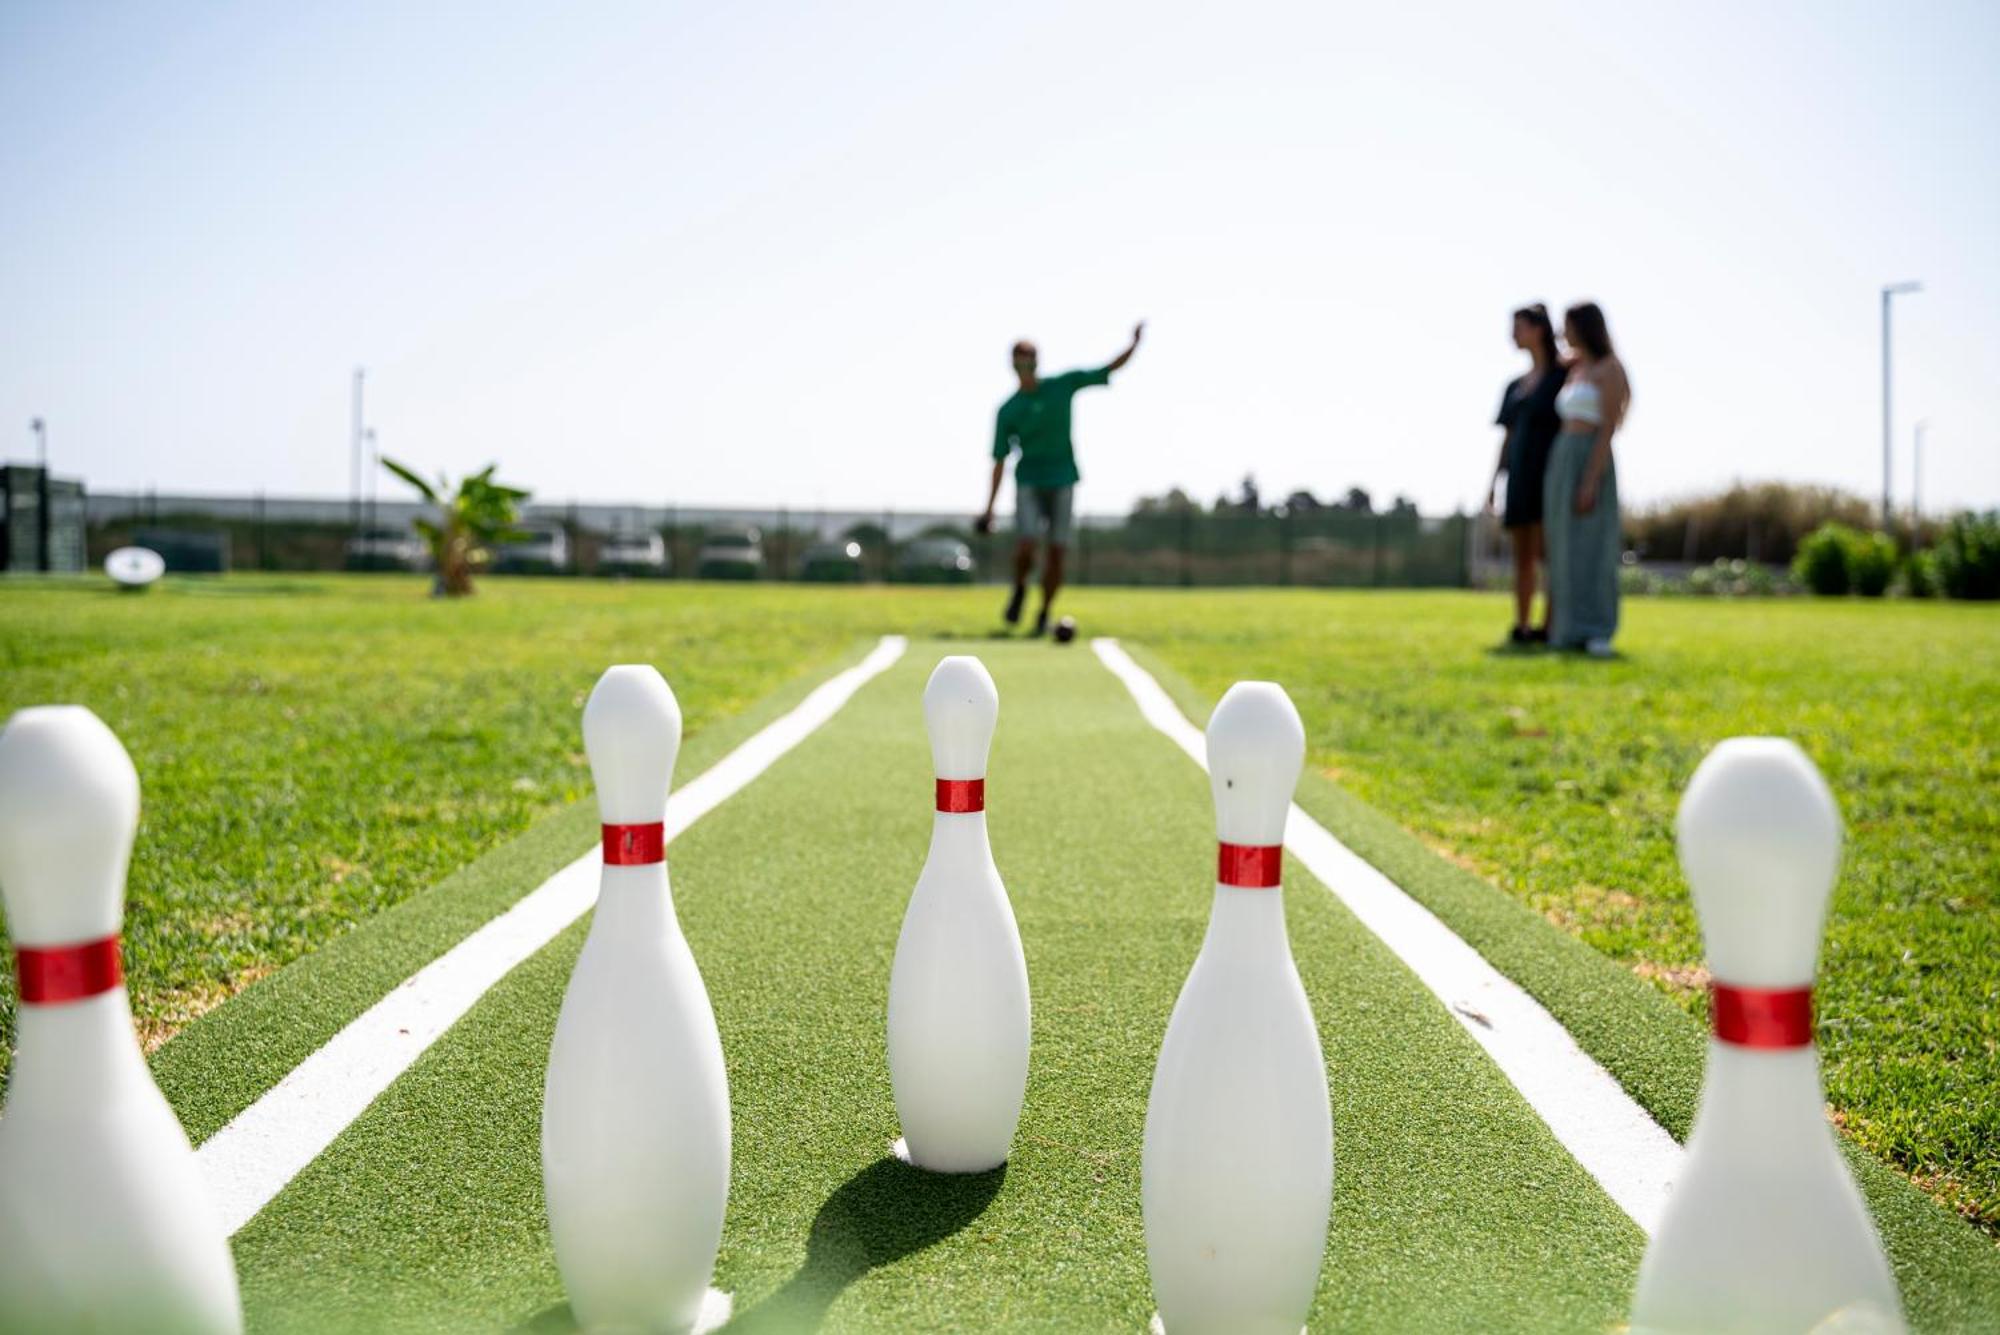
[(135, 567)]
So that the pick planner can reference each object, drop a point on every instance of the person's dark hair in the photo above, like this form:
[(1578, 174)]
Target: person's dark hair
[(1537, 315), (1023, 349), (1590, 328)]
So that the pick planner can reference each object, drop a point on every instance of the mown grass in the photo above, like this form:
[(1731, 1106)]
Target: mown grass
[(311, 752), (314, 750)]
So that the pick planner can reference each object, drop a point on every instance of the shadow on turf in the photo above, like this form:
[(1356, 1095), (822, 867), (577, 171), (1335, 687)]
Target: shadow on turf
[(883, 1213)]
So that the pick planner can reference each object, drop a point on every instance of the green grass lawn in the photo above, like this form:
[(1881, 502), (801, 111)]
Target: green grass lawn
[(314, 750)]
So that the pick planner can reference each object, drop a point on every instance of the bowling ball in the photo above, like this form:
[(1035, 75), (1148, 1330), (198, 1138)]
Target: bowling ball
[(1065, 630)]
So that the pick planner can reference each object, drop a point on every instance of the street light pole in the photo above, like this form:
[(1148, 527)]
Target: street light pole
[(374, 467), (1891, 290), (354, 471), (42, 490), (1917, 484)]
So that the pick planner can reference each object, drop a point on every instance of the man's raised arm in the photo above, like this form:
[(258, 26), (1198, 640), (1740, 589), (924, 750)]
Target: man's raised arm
[(1118, 362)]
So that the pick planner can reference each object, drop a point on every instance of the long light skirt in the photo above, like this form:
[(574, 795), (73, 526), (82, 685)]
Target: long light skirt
[(1582, 549)]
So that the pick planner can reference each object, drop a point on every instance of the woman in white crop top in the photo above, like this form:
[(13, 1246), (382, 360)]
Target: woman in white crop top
[(1580, 497), (1580, 403)]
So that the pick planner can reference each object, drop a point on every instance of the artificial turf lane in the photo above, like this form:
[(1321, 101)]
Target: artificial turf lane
[(1454, 1206)]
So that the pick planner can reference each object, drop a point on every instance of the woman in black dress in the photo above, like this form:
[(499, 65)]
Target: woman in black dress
[(1528, 413)]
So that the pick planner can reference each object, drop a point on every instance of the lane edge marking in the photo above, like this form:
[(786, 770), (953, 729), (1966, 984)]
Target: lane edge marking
[(258, 1153), (1631, 1156)]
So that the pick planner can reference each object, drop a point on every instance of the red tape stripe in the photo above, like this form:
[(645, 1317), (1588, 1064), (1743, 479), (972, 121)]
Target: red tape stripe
[(635, 845), (1757, 1017), (1251, 866), (961, 794), (52, 974)]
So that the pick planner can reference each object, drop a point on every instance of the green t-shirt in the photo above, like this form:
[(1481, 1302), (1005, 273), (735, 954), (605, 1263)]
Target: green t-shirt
[(1037, 421)]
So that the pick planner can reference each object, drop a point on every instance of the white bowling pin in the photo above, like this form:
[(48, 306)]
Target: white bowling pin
[(635, 1113), (958, 990), (104, 1221), (1237, 1175), (1764, 1230)]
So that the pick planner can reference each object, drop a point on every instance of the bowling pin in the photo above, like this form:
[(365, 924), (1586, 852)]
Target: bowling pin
[(104, 1220), (635, 1112), (1236, 1178), (1764, 1230), (958, 989)]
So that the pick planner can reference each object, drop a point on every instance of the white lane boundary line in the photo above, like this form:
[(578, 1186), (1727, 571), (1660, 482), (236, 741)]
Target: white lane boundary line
[(1617, 1142), (248, 1162)]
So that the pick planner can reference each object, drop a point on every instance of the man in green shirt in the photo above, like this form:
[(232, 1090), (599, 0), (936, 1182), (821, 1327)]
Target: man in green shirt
[(1035, 420)]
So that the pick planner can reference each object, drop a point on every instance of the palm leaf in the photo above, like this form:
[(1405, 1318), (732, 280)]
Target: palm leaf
[(429, 493)]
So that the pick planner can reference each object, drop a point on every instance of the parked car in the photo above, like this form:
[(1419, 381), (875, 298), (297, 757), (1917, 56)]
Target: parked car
[(542, 550), (387, 549), (935, 561), (731, 553), (831, 563), (633, 554)]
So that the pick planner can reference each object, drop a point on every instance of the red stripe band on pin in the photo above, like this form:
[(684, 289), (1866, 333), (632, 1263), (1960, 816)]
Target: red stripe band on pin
[(1251, 866), (1757, 1017), (961, 794), (635, 845), (52, 974)]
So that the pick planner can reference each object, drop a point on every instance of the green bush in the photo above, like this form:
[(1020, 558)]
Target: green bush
[(1920, 579), (1763, 521), (1968, 556), (1871, 563), (1755, 578), (1637, 581), (1835, 559), (1821, 564)]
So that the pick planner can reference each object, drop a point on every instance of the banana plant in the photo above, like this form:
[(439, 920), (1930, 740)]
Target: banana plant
[(469, 521)]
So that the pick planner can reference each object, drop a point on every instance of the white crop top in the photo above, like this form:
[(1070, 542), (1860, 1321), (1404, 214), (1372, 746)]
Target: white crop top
[(1579, 401)]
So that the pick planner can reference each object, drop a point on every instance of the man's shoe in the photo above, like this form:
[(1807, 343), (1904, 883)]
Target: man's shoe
[(1012, 616), (1042, 623)]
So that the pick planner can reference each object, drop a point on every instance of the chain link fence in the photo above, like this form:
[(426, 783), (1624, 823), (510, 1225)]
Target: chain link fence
[(1321, 546)]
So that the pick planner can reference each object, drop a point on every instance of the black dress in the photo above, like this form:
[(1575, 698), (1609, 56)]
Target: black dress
[(1531, 424)]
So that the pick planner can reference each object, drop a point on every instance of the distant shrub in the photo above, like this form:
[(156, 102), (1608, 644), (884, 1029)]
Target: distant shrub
[(1724, 577), (1755, 578), (1871, 563), (1637, 581), (1760, 521), (1968, 556), (1836, 559), (1733, 577), (1821, 563), (1920, 578)]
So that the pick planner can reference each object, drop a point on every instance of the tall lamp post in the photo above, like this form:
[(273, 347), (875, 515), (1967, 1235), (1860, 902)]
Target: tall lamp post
[(41, 430), (1917, 485), (354, 470), (1890, 291), (374, 468)]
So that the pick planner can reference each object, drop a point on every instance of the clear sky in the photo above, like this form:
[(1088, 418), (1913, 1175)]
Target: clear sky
[(767, 254)]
